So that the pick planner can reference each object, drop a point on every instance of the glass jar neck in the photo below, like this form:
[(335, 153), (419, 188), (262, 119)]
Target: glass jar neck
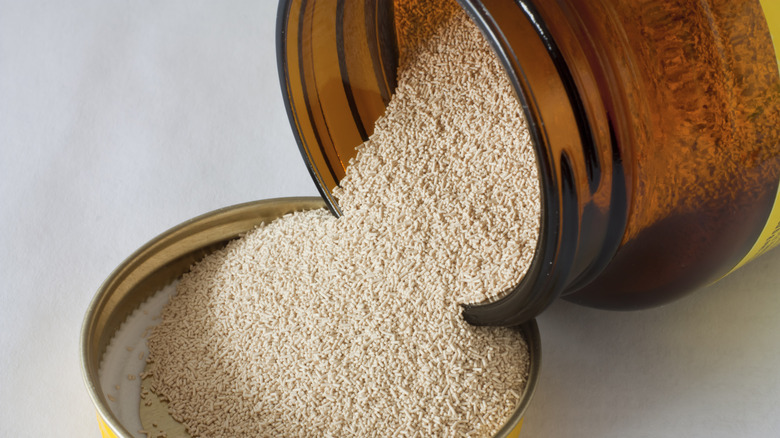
[(582, 179), (337, 76)]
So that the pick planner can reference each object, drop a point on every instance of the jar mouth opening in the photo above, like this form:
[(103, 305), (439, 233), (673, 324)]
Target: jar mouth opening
[(478, 312), (558, 124), (329, 128)]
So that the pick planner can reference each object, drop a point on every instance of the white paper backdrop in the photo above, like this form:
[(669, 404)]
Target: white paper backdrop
[(120, 119)]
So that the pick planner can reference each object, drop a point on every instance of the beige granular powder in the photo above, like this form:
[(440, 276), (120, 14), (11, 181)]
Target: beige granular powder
[(317, 326)]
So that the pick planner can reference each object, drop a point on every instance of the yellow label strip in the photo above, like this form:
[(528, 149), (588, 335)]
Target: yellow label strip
[(772, 14)]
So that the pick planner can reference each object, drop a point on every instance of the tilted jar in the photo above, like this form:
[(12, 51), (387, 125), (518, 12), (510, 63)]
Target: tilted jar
[(656, 126)]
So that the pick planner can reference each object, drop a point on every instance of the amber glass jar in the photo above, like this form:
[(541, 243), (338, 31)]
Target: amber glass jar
[(656, 126)]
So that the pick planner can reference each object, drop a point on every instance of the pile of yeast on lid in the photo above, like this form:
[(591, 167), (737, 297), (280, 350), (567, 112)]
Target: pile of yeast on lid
[(317, 326)]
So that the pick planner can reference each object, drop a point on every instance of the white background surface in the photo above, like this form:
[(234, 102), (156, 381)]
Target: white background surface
[(120, 119)]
